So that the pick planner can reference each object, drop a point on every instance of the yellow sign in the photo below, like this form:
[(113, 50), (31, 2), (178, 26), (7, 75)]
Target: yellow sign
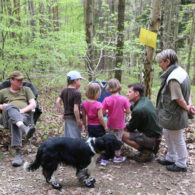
[(148, 37)]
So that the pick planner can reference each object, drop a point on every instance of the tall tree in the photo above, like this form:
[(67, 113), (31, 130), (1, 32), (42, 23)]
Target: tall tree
[(17, 15), (55, 15), (190, 41), (89, 31), (193, 79), (120, 40), (149, 51)]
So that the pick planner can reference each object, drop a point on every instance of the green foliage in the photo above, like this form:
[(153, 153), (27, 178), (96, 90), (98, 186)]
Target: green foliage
[(24, 47), (32, 41)]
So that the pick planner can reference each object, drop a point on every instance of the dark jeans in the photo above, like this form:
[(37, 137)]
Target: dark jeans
[(96, 130)]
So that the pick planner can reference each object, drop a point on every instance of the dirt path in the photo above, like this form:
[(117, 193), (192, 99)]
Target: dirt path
[(126, 178)]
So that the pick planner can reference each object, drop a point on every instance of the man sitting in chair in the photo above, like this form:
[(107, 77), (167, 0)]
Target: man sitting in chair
[(16, 103)]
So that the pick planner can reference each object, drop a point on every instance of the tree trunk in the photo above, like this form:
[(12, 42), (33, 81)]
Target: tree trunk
[(41, 19), (149, 52), (89, 31), (193, 79), (32, 20), (167, 17), (101, 35), (55, 15), (120, 40), (176, 24), (17, 15), (191, 40)]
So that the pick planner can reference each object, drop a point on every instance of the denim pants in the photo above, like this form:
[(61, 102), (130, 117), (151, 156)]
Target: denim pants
[(11, 115), (177, 151)]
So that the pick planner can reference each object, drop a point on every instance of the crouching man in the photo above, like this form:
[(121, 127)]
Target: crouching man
[(142, 131), (16, 103)]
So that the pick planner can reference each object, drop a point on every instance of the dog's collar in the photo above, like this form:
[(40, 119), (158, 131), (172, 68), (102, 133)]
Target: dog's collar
[(89, 143)]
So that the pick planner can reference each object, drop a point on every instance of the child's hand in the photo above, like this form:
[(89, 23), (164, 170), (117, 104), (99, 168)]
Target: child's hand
[(79, 123), (83, 128), (106, 129)]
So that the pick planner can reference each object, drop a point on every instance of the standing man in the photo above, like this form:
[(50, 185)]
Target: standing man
[(173, 106), (16, 103), (144, 133)]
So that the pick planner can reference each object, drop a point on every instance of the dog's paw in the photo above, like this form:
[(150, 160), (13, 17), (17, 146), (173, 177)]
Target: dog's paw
[(90, 182), (91, 179), (57, 186)]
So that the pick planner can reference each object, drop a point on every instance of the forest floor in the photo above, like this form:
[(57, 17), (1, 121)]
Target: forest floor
[(127, 178)]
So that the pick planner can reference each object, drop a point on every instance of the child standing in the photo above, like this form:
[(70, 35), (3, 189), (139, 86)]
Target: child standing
[(92, 114), (70, 97), (115, 106)]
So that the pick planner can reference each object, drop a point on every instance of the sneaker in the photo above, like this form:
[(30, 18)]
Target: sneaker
[(175, 168), (104, 162), (119, 159), (99, 160)]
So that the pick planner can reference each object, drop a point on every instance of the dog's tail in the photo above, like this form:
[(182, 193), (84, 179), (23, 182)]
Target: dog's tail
[(34, 165)]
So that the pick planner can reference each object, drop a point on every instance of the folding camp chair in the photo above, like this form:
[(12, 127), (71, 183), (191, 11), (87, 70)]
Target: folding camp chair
[(104, 92), (38, 111)]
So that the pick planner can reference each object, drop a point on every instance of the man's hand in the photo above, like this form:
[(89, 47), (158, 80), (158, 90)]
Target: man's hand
[(191, 110), (22, 111), (2, 106)]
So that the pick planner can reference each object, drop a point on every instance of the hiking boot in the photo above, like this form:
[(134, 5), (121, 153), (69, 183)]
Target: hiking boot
[(17, 159), (28, 130), (144, 156), (119, 159), (175, 168), (164, 162), (104, 162)]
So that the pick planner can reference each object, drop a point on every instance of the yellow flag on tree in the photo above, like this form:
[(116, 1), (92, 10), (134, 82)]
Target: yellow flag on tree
[(147, 37)]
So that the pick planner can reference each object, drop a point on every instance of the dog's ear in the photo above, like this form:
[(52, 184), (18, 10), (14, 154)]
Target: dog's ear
[(99, 144), (110, 151)]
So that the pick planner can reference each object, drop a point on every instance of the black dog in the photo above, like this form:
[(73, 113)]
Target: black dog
[(79, 153)]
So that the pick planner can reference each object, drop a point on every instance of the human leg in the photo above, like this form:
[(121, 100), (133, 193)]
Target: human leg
[(141, 142), (71, 129), (126, 139), (178, 141), (171, 155), (12, 117), (118, 158), (18, 160), (17, 119)]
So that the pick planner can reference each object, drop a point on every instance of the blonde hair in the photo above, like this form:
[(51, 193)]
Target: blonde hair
[(93, 91), (113, 85)]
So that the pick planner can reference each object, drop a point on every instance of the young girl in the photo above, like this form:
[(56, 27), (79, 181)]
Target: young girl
[(92, 114), (70, 97), (115, 106)]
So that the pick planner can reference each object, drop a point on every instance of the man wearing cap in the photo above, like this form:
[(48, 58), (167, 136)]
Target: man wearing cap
[(16, 103), (70, 97)]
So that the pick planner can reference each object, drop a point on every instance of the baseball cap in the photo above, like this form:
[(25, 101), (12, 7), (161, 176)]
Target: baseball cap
[(73, 75), (16, 75)]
